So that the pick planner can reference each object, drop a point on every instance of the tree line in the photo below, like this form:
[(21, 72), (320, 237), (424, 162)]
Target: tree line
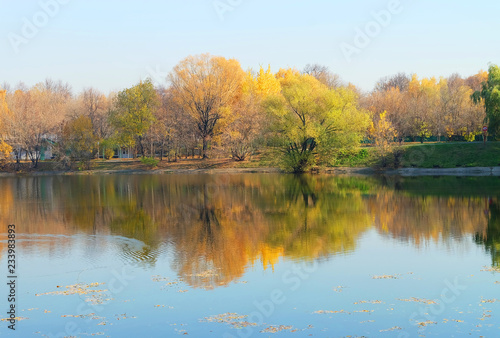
[(212, 107)]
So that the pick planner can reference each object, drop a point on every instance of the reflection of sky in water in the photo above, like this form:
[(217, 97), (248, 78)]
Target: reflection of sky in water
[(390, 266), (330, 284)]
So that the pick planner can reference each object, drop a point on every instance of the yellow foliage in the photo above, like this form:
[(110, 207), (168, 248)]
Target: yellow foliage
[(267, 83), (286, 73), (5, 150), (4, 110)]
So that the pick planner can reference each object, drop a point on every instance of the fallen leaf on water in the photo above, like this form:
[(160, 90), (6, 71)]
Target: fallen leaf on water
[(123, 316), (328, 311), (489, 300), (80, 289), (235, 320), (417, 300), (491, 269), (428, 322), (485, 315), (394, 328), (369, 302), (386, 276), (89, 315), (16, 319), (278, 328)]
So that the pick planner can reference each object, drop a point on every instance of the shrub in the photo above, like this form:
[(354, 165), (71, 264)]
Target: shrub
[(108, 153), (149, 161)]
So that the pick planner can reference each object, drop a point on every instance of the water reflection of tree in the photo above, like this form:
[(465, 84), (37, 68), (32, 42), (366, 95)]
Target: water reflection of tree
[(223, 225), (215, 232), (427, 208), (491, 239), (315, 216), (219, 225)]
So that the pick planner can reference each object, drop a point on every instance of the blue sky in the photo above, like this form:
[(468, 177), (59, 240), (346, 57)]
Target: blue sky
[(113, 44)]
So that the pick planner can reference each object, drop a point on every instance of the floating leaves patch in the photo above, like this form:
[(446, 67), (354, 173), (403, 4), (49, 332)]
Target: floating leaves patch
[(491, 269), (427, 322), (418, 300), (489, 300), (369, 302), (394, 328), (235, 320), (327, 311), (278, 328), (397, 276), (75, 289), (16, 319)]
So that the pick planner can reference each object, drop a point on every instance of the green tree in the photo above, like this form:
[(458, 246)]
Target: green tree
[(314, 124), (490, 93), (133, 115)]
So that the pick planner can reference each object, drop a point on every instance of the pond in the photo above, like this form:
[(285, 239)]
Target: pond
[(251, 255)]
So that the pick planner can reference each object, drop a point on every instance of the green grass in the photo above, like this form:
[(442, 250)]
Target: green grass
[(432, 155), (366, 157), (452, 155)]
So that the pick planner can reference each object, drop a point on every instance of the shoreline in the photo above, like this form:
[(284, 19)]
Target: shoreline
[(361, 171)]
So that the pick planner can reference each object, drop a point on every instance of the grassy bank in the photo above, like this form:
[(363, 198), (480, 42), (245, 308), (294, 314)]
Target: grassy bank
[(414, 155), (433, 155)]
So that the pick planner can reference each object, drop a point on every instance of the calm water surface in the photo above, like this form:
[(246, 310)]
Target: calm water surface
[(252, 255)]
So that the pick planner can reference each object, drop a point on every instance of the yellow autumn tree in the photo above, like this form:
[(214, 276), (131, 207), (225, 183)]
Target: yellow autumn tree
[(5, 149), (206, 87), (266, 83), (383, 133), (246, 123)]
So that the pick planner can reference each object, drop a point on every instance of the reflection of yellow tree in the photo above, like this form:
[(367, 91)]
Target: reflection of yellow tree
[(217, 232), (421, 218)]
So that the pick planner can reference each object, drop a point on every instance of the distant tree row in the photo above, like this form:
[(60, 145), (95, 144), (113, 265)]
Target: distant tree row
[(212, 106), (420, 108)]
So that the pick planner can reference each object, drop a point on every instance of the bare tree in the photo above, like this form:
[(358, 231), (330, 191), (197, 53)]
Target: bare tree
[(35, 117), (323, 75), (399, 80)]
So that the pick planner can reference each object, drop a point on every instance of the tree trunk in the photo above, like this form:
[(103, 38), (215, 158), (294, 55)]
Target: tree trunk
[(205, 145), (141, 146)]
